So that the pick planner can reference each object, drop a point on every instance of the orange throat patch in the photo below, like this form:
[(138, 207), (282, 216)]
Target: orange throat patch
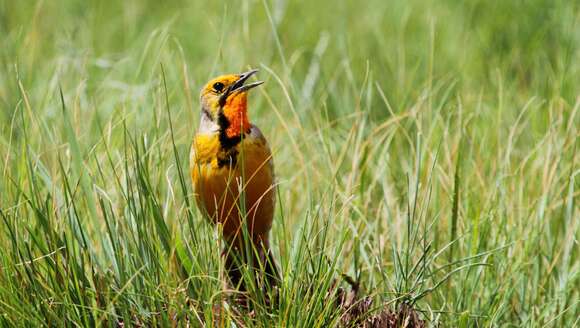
[(236, 112)]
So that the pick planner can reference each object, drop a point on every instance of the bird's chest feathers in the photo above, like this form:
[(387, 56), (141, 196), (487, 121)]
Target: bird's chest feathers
[(215, 170), (209, 152)]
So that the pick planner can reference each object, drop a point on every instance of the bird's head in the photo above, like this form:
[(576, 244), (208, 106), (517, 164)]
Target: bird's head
[(225, 101)]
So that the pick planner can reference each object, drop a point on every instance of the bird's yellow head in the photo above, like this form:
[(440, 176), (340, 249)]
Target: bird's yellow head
[(225, 101)]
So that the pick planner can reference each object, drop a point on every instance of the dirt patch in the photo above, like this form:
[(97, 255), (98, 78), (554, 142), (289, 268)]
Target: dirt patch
[(357, 310), (361, 312)]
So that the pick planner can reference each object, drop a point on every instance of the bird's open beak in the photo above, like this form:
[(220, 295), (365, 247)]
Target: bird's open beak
[(240, 86)]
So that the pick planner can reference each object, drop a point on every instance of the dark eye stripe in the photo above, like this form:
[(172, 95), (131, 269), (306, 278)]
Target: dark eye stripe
[(218, 86)]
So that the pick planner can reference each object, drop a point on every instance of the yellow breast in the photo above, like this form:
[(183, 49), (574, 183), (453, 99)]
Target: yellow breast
[(235, 187)]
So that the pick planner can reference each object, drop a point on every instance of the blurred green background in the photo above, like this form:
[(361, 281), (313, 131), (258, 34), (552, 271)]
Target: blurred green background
[(531, 45)]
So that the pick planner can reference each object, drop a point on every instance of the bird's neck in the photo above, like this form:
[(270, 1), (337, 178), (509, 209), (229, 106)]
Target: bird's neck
[(233, 121), (235, 111)]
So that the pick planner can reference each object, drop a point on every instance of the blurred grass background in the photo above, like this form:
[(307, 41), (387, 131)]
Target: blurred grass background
[(427, 147)]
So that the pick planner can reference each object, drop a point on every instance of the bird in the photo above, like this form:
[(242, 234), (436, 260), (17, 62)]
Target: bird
[(232, 172)]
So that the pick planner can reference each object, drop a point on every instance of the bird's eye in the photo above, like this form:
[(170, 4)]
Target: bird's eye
[(218, 86)]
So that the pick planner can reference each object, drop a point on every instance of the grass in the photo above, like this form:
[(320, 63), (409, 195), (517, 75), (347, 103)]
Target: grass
[(428, 149)]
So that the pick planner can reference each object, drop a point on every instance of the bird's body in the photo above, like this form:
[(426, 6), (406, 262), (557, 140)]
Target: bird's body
[(232, 170), (235, 186)]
